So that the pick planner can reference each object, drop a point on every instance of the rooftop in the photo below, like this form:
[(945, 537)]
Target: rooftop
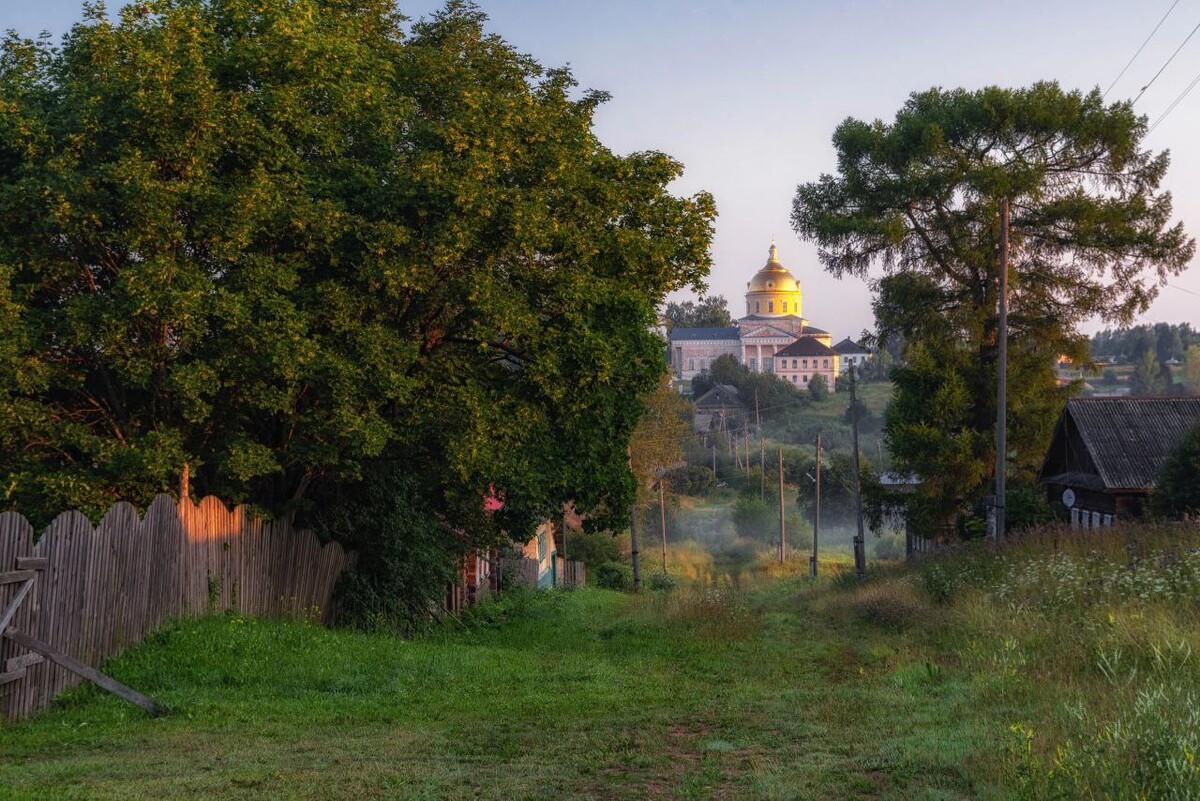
[(685, 334)]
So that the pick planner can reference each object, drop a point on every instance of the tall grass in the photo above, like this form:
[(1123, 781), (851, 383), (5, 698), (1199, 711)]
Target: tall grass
[(1095, 637)]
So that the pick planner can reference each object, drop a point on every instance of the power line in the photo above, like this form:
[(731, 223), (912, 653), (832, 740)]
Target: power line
[(1175, 103), (1175, 286), (1169, 60), (1140, 49)]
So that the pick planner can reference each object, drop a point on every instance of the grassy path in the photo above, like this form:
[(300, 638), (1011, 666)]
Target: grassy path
[(761, 694)]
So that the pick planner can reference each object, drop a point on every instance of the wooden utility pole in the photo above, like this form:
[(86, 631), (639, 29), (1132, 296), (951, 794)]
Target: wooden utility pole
[(860, 545), (812, 567), (1002, 378), (746, 434), (662, 508), (633, 540), (762, 453), (782, 518)]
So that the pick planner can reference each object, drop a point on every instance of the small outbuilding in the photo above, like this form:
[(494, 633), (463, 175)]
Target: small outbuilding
[(1107, 454), (719, 408)]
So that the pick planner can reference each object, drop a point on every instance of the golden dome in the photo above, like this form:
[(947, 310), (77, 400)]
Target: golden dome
[(773, 277)]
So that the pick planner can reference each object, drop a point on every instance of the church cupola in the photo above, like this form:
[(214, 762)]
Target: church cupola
[(773, 291)]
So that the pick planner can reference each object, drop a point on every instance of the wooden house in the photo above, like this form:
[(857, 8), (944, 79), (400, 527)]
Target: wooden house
[(1107, 454), (719, 408)]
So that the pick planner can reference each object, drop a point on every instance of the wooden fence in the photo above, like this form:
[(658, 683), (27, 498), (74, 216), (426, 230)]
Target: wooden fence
[(98, 590)]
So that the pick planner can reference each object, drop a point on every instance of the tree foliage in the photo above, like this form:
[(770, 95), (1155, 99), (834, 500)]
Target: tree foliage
[(775, 397), (919, 198), (292, 242), (818, 388), (708, 311), (1178, 492), (657, 442), (1151, 377), (1167, 340)]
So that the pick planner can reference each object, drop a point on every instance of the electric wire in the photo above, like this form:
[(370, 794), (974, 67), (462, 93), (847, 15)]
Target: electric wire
[(1174, 103), (1140, 49), (1169, 60)]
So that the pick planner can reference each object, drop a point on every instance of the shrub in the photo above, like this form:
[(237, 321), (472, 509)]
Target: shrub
[(1178, 491), (661, 582), (593, 548), (818, 388), (613, 576), (406, 557), (755, 518), (692, 480), (889, 605)]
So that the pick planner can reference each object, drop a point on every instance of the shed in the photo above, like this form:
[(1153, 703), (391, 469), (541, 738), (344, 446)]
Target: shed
[(718, 407), (1107, 453)]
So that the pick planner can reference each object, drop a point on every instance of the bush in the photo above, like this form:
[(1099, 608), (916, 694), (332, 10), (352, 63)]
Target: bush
[(692, 480), (889, 605), (755, 518), (661, 582), (406, 557), (1178, 491), (818, 388), (593, 548), (613, 576)]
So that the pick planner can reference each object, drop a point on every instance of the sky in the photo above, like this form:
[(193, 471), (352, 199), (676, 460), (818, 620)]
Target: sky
[(747, 93)]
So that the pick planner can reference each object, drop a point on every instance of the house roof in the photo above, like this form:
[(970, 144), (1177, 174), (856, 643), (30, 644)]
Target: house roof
[(807, 346), (848, 345), (683, 334), (1129, 439), (720, 395)]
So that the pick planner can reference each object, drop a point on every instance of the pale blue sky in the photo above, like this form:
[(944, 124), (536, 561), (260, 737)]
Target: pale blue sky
[(746, 93)]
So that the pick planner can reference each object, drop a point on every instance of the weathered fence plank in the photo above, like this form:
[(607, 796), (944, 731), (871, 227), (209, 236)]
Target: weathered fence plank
[(99, 590)]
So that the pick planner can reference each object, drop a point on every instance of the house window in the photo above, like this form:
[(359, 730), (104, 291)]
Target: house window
[(783, 307), (793, 364), (793, 379), (691, 364), (805, 363), (771, 306), (678, 357), (825, 362), (756, 307), (753, 365), (805, 379), (768, 365)]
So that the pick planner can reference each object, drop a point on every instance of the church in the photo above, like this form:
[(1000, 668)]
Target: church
[(773, 337)]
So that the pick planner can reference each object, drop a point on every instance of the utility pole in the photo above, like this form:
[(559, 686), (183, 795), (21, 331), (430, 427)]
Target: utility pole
[(662, 508), (762, 454), (1002, 378), (633, 540), (860, 545), (782, 517), (746, 433), (812, 567)]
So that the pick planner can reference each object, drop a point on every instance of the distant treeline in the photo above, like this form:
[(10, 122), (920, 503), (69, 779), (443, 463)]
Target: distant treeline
[(1164, 340)]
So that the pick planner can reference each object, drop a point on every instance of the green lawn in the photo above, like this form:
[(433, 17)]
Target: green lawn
[(702, 694), (1062, 667)]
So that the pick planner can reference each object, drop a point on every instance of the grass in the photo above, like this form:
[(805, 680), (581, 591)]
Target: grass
[(699, 693), (1061, 667)]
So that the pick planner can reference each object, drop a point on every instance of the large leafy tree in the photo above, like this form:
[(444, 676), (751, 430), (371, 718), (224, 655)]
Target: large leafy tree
[(295, 242), (919, 198), (709, 311)]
